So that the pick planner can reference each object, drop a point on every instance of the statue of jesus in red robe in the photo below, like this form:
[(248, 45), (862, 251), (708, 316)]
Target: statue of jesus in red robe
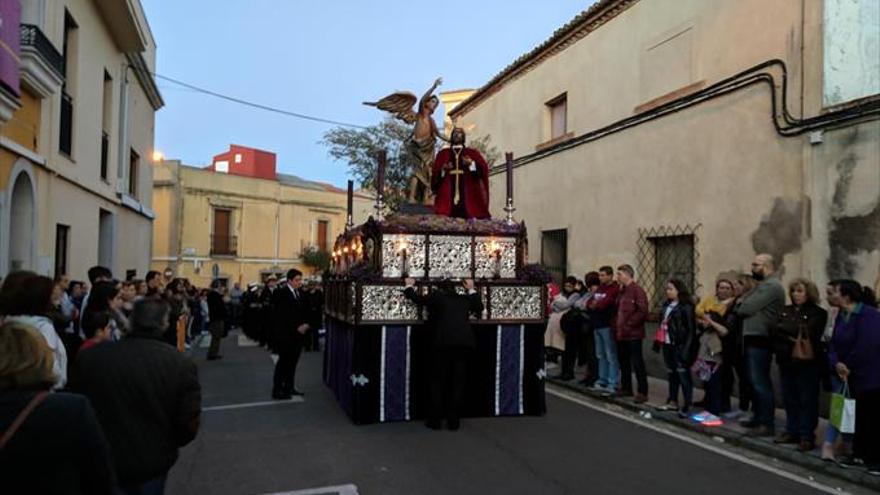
[(460, 180)]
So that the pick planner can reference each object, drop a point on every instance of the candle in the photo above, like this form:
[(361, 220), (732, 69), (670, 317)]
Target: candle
[(380, 174), (509, 165), (350, 205)]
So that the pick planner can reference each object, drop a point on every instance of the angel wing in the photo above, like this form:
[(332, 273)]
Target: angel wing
[(401, 104)]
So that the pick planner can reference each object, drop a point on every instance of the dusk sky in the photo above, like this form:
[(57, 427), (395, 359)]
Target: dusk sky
[(323, 58)]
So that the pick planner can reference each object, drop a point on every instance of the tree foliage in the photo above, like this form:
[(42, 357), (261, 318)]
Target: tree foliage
[(358, 148), (315, 259)]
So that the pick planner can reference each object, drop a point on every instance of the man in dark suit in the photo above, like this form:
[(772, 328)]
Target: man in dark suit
[(451, 340), (217, 318), (290, 311)]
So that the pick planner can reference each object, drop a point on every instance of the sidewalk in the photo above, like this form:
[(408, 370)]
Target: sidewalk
[(730, 431)]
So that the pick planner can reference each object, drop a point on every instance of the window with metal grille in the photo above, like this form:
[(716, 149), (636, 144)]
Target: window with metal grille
[(665, 253), (554, 253)]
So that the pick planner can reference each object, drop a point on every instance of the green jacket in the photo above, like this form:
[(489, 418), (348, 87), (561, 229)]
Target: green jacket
[(760, 308)]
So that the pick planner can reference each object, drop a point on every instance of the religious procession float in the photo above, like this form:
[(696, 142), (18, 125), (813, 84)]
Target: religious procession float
[(377, 352)]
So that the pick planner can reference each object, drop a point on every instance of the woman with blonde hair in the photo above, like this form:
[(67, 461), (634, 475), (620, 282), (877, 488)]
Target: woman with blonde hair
[(49, 442), (734, 355)]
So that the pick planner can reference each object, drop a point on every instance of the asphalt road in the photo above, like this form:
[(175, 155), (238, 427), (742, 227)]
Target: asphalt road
[(574, 449)]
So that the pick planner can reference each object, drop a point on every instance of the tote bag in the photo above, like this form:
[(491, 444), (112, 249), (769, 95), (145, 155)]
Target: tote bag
[(843, 411)]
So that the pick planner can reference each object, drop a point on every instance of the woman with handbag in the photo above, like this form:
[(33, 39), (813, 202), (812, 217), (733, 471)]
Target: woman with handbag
[(854, 355), (796, 342), (49, 442)]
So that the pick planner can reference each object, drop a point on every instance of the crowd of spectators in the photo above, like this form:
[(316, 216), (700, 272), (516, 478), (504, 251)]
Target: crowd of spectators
[(728, 338)]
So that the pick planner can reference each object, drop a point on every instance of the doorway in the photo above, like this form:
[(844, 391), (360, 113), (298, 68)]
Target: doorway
[(22, 224)]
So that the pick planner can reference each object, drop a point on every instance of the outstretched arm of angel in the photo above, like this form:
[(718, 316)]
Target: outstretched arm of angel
[(402, 104), (430, 90), (425, 97)]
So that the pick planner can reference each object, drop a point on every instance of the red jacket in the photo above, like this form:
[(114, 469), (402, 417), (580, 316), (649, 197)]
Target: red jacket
[(632, 310)]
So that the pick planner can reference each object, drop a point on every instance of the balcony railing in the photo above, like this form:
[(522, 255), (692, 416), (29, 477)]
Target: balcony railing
[(32, 36), (224, 245), (65, 141)]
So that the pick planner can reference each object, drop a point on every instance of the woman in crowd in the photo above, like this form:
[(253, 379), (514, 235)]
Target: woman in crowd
[(175, 296), (679, 345), (733, 354), (52, 441), (27, 299), (711, 318), (853, 356), (797, 343), (834, 443), (554, 339), (107, 296)]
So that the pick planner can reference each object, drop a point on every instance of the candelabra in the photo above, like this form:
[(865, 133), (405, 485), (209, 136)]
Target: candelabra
[(509, 209)]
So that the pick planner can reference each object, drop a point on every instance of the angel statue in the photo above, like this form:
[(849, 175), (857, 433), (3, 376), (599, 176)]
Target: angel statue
[(423, 140)]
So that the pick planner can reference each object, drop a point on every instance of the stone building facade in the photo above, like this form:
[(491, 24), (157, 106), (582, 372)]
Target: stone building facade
[(685, 139), (77, 106)]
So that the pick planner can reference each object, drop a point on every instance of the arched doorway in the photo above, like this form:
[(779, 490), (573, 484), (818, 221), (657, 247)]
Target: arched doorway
[(22, 224)]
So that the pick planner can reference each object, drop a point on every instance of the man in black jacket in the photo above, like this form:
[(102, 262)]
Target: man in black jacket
[(290, 311), (146, 395), (218, 318), (451, 340)]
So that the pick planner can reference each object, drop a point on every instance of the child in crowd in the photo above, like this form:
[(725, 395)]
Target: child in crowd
[(97, 328)]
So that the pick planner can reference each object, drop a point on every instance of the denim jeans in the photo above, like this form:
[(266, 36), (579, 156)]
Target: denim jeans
[(800, 391), (606, 353), (631, 360), (679, 376), (758, 365)]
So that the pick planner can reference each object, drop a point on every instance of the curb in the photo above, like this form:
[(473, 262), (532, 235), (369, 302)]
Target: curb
[(856, 476)]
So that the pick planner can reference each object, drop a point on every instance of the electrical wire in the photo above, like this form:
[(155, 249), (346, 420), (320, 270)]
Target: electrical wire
[(257, 105), (759, 74)]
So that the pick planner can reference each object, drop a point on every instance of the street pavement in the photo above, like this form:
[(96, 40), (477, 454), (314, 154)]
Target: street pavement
[(251, 445)]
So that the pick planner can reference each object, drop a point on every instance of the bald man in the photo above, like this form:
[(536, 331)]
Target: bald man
[(759, 310)]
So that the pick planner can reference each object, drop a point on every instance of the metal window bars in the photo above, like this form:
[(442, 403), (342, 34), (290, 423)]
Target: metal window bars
[(666, 252)]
